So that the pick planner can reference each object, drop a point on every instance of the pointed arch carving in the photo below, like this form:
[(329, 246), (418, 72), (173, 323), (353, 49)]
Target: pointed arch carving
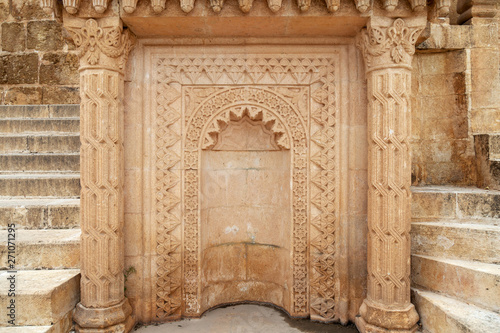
[(272, 124), (274, 108)]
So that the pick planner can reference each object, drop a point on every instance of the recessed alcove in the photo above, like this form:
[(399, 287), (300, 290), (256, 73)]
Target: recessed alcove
[(245, 214)]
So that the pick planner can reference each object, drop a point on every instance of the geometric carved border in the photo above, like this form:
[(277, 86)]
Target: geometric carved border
[(316, 286)]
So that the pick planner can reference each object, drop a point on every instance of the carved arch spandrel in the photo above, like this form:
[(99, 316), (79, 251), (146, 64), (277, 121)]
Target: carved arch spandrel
[(209, 110)]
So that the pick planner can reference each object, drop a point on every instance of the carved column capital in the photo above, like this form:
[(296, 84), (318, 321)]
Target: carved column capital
[(388, 46), (102, 44)]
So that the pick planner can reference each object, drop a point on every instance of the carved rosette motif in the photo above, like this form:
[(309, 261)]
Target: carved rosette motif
[(263, 76), (388, 53), (101, 47)]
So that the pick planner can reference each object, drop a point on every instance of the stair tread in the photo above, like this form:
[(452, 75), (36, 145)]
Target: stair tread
[(471, 316), (38, 134), (25, 329), (473, 265), (39, 282), (39, 175), (41, 236), (38, 202), (475, 226), (451, 189)]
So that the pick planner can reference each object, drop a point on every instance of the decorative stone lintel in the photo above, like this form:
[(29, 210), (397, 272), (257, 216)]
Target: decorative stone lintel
[(389, 44), (102, 44)]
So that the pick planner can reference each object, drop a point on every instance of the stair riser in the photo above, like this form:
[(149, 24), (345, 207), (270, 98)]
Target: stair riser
[(54, 187), (39, 111), (40, 162), (433, 319), (40, 144), (43, 256), (472, 286), (45, 309), (442, 205), (455, 243), (46, 217), (39, 125)]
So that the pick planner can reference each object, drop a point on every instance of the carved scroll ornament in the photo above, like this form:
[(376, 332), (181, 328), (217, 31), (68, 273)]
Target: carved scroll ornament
[(93, 42), (394, 45)]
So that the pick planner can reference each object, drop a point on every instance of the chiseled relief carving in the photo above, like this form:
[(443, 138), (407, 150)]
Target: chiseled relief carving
[(299, 92)]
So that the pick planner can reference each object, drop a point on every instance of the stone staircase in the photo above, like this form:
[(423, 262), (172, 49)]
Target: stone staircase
[(39, 190), (456, 259)]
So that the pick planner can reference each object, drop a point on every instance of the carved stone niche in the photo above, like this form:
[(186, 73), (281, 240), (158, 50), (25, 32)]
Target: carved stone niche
[(241, 164)]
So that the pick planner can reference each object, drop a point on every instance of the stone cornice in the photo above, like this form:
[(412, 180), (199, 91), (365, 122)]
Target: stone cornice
[(388, 46), (101, 46)]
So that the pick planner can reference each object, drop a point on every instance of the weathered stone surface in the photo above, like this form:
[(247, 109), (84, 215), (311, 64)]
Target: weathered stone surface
[(24, 111), (40, 184), (453, 241), (59, 125), (44, 36), (60, 95), (19, 69), (4, 10), (472, 282), (64, 110), (439, 313), (59, 69), (40, 162), (28, 10), (23, 95), (44, 249), (43, 298), (40, 213), (13, 37)]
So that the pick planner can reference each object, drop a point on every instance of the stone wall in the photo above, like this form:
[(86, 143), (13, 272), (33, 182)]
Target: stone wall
[(442, 143), (37, 64)]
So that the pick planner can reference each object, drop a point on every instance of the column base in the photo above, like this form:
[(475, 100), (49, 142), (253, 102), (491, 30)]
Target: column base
[(115, 319), (378, 319)]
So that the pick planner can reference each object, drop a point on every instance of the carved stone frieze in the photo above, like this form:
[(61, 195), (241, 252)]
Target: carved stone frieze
[(392, 46), (102, 47), (268, 89)]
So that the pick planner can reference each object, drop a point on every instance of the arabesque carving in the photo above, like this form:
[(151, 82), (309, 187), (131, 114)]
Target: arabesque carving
[(396, 42), (205, 104), (93, 42)]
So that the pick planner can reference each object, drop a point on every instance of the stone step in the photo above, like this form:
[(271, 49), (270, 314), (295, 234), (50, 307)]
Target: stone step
[(54, 184), (40, 213), (40, 143), (40, 162), (39, 111), (473, 242), (45, 125), (40, 249), (441, 314), (469, 281), (451, 202), (43, 298)]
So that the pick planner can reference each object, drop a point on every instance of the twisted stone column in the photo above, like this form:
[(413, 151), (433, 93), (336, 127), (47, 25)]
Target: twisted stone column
[(387, 48), (103, 48)]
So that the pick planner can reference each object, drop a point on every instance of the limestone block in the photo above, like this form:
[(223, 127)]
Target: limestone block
[(23, 95), (40, 184), (453, 241), (19, 69), (60, 95), (64, 110), (38, 249), (59, 69), (24, 111), (482, 204), (13, 37), (45, 36), (442, 62), (439, 313), (4, 10), (469, 281), (443, 84), (485, 120), (40, 162), (19, 125), (42, 297), (28, 10)]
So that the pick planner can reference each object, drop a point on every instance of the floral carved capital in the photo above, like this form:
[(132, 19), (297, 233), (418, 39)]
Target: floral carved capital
[(106, 47), (391, 46)]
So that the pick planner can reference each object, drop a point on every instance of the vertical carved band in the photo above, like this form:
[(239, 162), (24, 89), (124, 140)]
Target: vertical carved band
[(103, 52), (102, 188), (388, 53)]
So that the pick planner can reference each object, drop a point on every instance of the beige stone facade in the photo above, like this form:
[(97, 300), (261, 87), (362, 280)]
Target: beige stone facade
[(253, 151)]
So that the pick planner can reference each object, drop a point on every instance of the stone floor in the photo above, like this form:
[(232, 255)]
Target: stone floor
[(247, 318)]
